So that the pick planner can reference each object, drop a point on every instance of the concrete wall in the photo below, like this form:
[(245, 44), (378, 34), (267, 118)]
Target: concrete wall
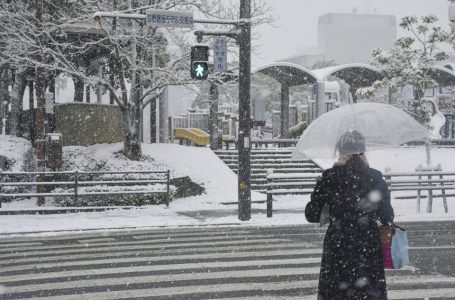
[(84, 124)]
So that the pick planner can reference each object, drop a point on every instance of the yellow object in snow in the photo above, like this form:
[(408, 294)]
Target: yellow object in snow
[(196, 136)]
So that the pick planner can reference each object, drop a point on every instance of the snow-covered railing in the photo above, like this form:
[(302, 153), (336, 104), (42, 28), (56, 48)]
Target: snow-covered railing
[(274, 142), (422, 181), (435, 142), (303, 183), (114, 182), (289, 184), (259, 143)]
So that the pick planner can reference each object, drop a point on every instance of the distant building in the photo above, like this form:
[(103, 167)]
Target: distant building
[(310, 57), (350, 38)]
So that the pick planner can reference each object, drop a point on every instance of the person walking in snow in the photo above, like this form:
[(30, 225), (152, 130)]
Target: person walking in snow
[(357, 198)]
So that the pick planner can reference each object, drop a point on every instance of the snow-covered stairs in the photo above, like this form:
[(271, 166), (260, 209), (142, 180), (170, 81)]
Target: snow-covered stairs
[(277, 160)]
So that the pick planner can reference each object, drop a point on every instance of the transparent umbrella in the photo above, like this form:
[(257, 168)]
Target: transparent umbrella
[(381, 125)]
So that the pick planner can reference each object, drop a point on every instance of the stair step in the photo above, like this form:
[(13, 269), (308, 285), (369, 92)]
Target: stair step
[(296, 169), (280, 162), (289, 152), (255, 153), (266, 171), (276, 165), (265, 158), (300, 185), (275, 161), (292, 191), (280, 170), (264, 179)]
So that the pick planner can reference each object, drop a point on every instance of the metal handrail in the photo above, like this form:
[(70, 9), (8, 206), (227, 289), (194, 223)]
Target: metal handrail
[(419, 173), (257, 142), (286, 141), (85, 182), (418, 184), (84, 172), (77, 182)]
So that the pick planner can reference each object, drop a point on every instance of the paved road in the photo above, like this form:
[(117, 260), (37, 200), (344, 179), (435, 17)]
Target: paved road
[(206, 263)]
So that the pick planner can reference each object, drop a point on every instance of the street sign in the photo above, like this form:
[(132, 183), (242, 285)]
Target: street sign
[(220, 55), (166, 18)]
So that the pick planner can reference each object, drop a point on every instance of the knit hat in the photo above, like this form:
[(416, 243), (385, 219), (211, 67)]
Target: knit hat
[(351, 142)]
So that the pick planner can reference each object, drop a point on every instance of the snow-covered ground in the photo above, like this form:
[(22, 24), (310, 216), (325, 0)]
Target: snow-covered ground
[(405, 159), (18, 152), (205, 168)]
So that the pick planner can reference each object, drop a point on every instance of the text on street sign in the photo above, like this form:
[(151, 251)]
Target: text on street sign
[(166, 18)]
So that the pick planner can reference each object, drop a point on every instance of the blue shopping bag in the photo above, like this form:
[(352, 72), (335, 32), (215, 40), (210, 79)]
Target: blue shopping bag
[(400, 255)]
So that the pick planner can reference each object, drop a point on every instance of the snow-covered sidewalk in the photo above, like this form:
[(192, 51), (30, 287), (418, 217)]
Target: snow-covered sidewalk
[(287, 211), (205, 168)]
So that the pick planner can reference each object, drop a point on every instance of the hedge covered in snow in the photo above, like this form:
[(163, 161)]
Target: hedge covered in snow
[(18, 152), (109, 157)]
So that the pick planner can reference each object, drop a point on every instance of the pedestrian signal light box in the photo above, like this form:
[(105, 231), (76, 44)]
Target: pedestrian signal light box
[(199, 62)]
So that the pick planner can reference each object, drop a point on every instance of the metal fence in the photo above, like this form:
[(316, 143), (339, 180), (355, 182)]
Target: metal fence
[(429, 181), (37, 184), (264, 143)]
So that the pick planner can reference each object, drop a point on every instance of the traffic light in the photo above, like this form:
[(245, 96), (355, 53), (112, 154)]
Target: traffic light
[(199, 62)]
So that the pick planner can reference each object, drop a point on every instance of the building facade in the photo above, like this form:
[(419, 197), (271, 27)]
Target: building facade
[(350, 38)]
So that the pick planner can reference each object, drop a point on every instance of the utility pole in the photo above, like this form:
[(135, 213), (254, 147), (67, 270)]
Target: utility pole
[(41, 104), (244, 140), (31, 111), (213, 116)]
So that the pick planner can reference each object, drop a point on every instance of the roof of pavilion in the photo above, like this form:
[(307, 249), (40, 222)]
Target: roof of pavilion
[(443, 75), (288, 73), (355, 74)]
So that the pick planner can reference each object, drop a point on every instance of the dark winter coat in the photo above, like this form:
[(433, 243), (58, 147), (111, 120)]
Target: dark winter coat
[(352, 265)]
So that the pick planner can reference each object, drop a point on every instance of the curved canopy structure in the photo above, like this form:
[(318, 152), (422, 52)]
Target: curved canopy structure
[(289, 74), (450, 66), (356, 75), (444, 76)]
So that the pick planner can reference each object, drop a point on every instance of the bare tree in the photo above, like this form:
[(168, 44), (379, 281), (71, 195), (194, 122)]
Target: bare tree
[(139, 61)]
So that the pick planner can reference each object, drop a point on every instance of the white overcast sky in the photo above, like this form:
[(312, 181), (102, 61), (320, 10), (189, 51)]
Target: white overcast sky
[(296, 25)]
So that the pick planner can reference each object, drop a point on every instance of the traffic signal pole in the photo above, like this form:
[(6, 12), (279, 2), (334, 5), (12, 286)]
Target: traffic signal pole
[(244, 139), (213, 116), (243, 35), (40, 110)]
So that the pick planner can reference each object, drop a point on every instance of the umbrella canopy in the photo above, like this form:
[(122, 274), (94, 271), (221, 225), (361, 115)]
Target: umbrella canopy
[(379, 125)]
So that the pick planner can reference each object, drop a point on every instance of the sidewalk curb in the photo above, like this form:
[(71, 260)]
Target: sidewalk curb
[(112, 229), (66, 210)]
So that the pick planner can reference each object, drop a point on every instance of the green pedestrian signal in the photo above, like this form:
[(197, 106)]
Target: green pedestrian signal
[(200, 70), (199, 62)]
